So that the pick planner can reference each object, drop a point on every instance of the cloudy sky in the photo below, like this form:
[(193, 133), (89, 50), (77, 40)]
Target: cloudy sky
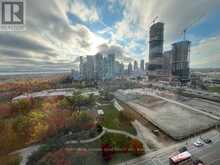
[(58, 31)]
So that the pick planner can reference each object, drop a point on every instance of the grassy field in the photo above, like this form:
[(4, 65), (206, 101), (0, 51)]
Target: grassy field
[(92, 154), (113, 119), (214, 89)]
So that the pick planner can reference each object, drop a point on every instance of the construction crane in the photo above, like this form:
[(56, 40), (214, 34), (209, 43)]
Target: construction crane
[(155, 19), (152, 22), (185, 30)]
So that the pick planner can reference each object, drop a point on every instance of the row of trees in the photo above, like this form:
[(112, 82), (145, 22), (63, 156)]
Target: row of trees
[(30, 120), (78, 100)]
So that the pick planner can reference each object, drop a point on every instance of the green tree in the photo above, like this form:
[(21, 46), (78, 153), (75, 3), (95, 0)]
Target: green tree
[(77, 100)]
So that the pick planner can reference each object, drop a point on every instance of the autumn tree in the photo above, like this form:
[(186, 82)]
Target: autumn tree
[(32, 127), (5, 110), (107, 152), (77, 100), (22, 105), (137, 147)]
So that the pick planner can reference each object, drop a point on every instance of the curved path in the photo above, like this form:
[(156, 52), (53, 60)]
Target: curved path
[(108, 131), (25, 153), (127, 134), (88, 140)]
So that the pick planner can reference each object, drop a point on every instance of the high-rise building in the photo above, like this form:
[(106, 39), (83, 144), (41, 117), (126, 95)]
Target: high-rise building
[(105, 67), (90, 68), (156, 46), (135, 66), (142, 65), (122, 68), (180, 60), (99, 66), (110, 66), (146, 66), (170, 65), (167, 62), (119, 68), (129, 69), (81, 67)]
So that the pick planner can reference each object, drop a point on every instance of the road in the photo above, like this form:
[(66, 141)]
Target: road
[(209, 153)]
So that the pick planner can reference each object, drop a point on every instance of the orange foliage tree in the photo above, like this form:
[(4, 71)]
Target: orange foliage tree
[(137, 147)]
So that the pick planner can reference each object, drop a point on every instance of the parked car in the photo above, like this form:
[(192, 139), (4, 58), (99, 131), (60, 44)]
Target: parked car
[(207, 140), (198, 143), (198, 162), (183, 149)]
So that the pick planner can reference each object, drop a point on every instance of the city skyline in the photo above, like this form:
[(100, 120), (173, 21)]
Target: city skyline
[(65, 30)]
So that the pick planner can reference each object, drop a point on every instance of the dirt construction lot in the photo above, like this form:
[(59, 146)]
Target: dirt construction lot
[(175, 120), (204, 105)]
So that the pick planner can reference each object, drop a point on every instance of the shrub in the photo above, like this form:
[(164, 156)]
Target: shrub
[(99, 128), (22, 105), (9, 139), (64, 104), (57, 120), (137, 147), (5, 110), (117, 141), (85, 121), (32, 127), (10, 160), (51, 157), (107, 152)]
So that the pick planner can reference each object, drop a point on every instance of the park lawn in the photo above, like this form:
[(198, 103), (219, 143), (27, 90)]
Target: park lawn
[(214, 89), (113, 120), (93, 155)]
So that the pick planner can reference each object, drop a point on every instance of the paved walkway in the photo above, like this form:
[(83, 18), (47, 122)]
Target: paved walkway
[(108, 131), (25, 153), (53, 92), (129, 135), (145, 134), (88, 140)]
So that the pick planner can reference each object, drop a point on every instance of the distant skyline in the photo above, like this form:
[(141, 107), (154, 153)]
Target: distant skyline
[(59, 31)]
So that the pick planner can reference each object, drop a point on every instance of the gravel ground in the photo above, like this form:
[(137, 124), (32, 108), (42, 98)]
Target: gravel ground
[(204, 105), (176, 121)]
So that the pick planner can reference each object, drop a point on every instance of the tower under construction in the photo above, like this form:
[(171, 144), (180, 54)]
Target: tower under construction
[(180, 60), (156, 49)]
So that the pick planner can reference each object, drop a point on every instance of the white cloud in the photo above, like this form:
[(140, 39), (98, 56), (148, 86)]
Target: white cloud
[(85, 13), (49, 40), (206, 53), (176, 14)]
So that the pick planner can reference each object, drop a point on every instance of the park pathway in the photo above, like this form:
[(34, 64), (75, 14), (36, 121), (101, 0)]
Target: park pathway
[(25, 153)]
